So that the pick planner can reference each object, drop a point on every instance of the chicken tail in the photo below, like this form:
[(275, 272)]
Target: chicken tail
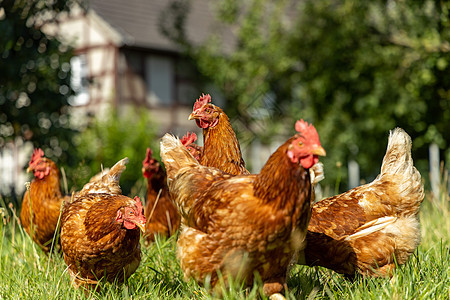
[(175, 156), (108, 183), (99, 175), (113, 176), (398, 167)]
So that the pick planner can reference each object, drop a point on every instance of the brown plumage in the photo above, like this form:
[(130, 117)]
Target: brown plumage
[(42, 202), (160, 211), (240, 225), (220, 146), (362, 230), (100, 231), (345, 251)]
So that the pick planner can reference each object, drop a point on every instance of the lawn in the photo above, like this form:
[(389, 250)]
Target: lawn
[(27, 273)]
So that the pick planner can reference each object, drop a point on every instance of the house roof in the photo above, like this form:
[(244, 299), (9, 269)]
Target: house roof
[(138, 22)]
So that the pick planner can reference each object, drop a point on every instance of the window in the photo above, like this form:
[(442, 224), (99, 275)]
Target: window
[(187, 91), (79, 80), (169, 80), (159, 80)]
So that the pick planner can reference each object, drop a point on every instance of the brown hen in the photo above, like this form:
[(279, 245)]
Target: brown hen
[(42, 201), (160, 211), (100, 231), (373, 227), (352, 250), (247, 224), (220, 146)]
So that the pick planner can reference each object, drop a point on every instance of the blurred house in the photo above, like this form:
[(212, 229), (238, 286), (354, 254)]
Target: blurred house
[(123, 59)]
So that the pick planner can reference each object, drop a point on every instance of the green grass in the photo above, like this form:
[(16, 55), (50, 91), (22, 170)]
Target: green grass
[(27, 273)]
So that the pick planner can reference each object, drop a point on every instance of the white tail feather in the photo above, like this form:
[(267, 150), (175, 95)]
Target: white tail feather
[(371, 227), (175, 156)]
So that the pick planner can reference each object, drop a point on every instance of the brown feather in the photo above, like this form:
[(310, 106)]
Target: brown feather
[(165, 219), (238, 225), (94, 244), (397, 192), (41, 203), (221, 148), (393, 198)]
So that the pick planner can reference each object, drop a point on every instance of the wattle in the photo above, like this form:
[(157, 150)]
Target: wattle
[(39, 174), (202, 124), (42, 173), (309, 161), (129, 225), (205, 124)]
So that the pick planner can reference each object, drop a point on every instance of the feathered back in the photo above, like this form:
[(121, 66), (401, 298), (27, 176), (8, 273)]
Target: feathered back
[(398, 164), (175, 156), (108, 183)]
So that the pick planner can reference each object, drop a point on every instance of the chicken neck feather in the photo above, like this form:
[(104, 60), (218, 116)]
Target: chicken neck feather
[(221, 147)]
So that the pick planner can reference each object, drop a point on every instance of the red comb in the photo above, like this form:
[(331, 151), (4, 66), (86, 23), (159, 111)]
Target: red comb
[(301, 126), (306, 129), (138, 204), (148, 157), (189, 138), (202, 101), (37, 155)]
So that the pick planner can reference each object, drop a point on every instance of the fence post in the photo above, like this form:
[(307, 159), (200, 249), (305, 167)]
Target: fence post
[(353, 174), (434, 169)]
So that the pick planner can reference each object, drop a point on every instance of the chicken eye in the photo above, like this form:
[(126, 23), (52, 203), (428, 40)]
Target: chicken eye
[(300, 144), (208, 110), (131, 212)]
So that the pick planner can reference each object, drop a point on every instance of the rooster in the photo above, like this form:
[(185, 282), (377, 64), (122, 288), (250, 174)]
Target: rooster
[(224, 154), (373, 227), (42, 201), (161, 214), (241, 225), (100, 231)]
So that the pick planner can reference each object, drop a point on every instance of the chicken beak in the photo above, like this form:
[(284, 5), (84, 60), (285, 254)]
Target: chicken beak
[(29, 170), (141, 226), (319, 151), (192, 116)]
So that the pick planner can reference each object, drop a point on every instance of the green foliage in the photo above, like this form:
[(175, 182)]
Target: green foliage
[(111, 137), (35, 77), (356, 69), (369, 67)]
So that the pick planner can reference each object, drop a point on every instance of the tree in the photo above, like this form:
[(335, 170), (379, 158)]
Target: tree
[(369, 67), (35, 77), (356, 69)]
